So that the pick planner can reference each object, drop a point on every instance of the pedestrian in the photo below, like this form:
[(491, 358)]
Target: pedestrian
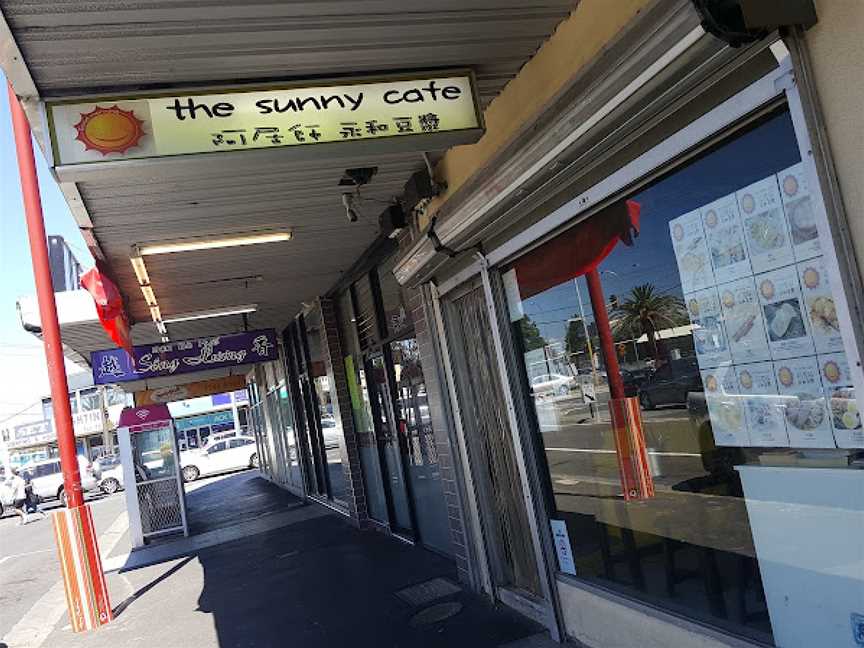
[(19, 495), (31, 504)]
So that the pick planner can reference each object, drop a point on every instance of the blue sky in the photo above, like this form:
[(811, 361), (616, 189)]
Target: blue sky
[(23, 379)]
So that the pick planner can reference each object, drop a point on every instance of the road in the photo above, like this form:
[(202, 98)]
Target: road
[(28, 557)]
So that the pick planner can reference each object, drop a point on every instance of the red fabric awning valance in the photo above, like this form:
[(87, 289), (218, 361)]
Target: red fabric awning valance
[(109, 307), (578, 250)]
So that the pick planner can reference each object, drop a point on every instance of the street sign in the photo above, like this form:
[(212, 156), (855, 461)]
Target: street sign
[(589, 392), (397, 113)]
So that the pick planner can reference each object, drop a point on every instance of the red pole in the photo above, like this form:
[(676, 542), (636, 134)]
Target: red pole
[(47, 307), (601, 318)]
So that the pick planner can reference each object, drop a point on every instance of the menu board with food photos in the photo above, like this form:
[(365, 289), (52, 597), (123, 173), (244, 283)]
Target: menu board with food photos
[(764, 408), (725, 407), (765, 326), (691, 252)]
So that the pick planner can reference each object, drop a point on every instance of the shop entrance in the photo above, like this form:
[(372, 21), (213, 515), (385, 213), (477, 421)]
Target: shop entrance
[(500, 493)]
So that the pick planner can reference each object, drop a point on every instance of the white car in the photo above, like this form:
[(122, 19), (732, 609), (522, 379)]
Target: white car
[(553, 384), (47, 479), (220, 456)]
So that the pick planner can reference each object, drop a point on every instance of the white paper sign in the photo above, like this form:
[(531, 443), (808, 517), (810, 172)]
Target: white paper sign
[(725, 407), (745, 328), (725, 239), (820, 307), (709, 337), (783, 309), (691, 252), (799, 212), (764, 409), (562, 547), (764, 224), (514, 297), (807, 421), (840, 395)]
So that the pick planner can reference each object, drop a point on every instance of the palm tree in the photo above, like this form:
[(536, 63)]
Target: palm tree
[(645, 311)]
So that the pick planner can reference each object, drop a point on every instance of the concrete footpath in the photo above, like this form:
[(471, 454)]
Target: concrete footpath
[(292, 575)]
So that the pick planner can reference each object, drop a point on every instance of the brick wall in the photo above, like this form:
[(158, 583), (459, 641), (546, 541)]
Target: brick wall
[(334, 359)]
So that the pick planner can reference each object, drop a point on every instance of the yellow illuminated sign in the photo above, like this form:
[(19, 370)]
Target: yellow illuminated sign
[(397, 114)]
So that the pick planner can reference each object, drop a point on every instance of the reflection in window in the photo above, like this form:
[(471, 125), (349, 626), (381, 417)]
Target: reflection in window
[(714, 334)]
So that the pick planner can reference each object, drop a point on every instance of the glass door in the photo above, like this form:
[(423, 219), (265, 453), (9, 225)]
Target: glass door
[(391, 447)]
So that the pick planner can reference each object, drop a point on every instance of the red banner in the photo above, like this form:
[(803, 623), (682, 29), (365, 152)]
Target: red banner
[(636, 479), (109, 307)]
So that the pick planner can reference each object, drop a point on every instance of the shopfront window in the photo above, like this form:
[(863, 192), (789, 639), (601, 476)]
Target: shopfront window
[(723, 325)]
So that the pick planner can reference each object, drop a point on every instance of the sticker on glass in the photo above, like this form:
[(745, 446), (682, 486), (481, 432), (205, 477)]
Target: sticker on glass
[(784, 312), (745, 328), (709, 338), (725, 407), (798, 205), (764, 224), (691, 252), (820, 306), (764, 409), (725, 239), (807, 420)]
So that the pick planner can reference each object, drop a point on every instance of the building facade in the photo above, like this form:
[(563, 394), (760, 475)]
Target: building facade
[(616, 379)]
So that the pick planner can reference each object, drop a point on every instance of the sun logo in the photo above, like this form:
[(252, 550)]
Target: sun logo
[(109, 130)]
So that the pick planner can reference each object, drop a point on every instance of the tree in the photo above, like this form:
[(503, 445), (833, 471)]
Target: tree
[(645, 311), (531, 337)]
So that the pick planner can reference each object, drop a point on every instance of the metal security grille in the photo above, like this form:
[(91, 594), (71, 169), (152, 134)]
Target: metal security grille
[(367, 322), (159, 503), (490, 445)]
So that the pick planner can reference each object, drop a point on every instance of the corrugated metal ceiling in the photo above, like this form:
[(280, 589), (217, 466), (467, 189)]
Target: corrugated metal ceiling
[(78, 47)]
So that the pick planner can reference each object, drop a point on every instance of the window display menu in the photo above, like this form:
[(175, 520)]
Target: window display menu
[(709, 336), (798, 205), (807, 420), (764, 408), (840, 395), (819, 306), (725, 407), (691, 252), (725, 240), (743, 320), (783, 310), (764, 224)]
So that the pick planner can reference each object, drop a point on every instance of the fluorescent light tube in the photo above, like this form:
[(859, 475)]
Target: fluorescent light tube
[(155, 313), (140, 270), (215, 312), (189, 245), (149, 296)]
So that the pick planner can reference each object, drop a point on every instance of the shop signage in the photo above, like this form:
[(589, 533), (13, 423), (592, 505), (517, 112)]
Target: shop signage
[(411, 112), (31, 434), (183, 356), (212, 419), (562, 547), (190, 390)]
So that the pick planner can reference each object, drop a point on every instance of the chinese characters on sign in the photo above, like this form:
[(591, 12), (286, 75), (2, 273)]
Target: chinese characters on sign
[(184, 356), (144, 127)]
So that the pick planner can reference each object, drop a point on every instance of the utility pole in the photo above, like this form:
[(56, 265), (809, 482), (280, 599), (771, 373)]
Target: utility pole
[(79, 553)]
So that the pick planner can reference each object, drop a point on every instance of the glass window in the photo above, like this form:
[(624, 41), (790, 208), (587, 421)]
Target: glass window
[(90, 399), (718, 319), (217, 447)]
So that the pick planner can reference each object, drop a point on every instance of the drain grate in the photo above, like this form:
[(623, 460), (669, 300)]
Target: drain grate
[(428, 591), (435, 614)]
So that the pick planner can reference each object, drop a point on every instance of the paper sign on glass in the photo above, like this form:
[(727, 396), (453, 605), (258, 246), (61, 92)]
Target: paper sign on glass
[(562, 546), (840, 392), (800, 215), (819, 305), (783, 309), (745, 328), (725, 240), (725, 407), (807, 419), (709, 338), (764, 409), (764, 226), (691, 252)]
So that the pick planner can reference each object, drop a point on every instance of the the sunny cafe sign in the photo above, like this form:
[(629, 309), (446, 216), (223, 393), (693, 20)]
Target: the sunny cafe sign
[(397, 113)]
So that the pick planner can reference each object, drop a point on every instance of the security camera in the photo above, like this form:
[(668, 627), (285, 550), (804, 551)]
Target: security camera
[(350, 211)]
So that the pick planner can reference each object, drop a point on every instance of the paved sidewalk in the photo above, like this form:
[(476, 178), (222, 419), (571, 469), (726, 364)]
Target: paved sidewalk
[(312, 581)]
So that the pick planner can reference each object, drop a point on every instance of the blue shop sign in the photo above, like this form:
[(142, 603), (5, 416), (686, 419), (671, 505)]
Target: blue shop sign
[(184, 356), (201, 420)]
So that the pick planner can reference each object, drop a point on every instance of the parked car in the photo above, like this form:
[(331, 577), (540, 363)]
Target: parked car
[(107, 462), (47, 479), (670, 384), (112, 479), (221, 456), (635, 378), (549, 384)]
